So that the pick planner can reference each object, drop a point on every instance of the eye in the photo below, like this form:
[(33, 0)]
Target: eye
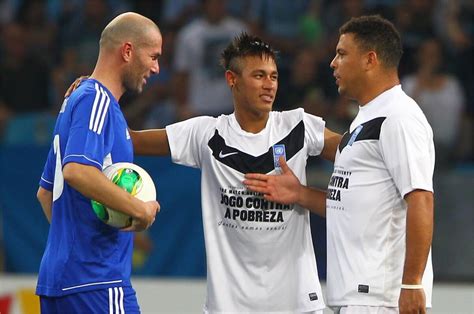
[(258, 76)]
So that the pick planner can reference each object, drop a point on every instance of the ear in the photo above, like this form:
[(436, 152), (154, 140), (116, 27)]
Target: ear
[(231, 78), (126, 51), (371, 60)]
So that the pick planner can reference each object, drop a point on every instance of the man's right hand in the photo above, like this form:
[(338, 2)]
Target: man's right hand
[(284, 188), (74, 85)]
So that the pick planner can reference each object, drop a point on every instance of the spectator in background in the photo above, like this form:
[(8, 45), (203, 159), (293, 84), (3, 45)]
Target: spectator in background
[(304, 89), (40, 32), (199, 88), (455, 24), (24, 79), (439, 95), (415, 20), (278, 22), (80, 35)]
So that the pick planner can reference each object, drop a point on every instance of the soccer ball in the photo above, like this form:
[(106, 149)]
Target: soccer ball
[(133, 179)]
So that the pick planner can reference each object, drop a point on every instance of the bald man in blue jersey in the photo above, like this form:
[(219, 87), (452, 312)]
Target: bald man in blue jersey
[(86, 264)]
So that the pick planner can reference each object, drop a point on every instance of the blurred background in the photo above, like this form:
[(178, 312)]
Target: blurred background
[(46, 44)]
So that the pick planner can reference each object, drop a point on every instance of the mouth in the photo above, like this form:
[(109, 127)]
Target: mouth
[(337, 78), (267, 98)]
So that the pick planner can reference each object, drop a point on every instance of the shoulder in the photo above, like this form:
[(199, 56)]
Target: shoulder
[(87, 90), (200, 123)]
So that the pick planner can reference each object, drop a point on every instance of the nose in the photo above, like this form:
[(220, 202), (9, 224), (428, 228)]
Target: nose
[(269, 83), (155, 69), (333, 63)]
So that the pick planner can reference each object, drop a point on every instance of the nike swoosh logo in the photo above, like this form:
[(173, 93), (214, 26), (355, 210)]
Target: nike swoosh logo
[(221, 155)]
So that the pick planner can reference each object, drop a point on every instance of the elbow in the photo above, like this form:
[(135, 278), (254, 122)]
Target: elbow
[(71, 173), (42, 194)]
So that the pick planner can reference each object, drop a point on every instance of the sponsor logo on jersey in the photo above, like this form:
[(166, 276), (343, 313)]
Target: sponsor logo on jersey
[(313, 296), (363, 289), (222, 155), (354, 135), (278, 151)]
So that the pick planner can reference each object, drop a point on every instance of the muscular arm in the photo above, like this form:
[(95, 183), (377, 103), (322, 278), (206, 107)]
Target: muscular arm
[(150, 142), (331, 142), (419, 234), (287, 189), (45, 198), (93, 184)]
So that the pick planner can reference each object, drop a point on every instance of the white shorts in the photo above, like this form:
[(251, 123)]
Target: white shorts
[(364, 309)]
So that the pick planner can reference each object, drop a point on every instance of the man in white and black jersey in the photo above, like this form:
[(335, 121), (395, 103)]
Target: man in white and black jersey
[(379, 202), (260, 255)]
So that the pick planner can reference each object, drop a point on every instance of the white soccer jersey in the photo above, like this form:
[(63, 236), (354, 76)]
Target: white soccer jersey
[(260, 255), (387, 153)]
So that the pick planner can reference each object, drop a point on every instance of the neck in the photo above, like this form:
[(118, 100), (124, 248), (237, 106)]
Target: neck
[(252, 122), (109, 78), (377, 86)]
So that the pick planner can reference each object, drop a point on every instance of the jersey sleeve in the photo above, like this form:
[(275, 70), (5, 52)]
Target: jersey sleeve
[(91, 128), (187, 139), (314, 133), (408, 152), (47, 177)]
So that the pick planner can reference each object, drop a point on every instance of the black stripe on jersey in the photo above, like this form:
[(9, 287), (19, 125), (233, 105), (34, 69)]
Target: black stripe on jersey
[(246, 163), (370, 131)]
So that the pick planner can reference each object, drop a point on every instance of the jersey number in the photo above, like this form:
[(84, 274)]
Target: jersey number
[(58, 171)]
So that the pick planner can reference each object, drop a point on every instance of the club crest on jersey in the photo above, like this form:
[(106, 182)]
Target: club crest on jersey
[(278, 151), (354, 135)]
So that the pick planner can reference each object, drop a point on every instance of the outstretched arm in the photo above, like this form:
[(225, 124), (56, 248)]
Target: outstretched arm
[(287, 189), (419, 235), (150, 142), (331, 142)]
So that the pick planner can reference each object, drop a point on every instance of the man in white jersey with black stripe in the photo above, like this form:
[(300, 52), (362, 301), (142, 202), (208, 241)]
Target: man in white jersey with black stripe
[(379, 202), (260, 256)]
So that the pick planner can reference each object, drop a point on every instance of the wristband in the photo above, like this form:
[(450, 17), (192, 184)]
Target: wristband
[(412, 287)]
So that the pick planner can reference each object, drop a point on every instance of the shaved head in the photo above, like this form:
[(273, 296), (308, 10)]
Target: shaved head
[(131, 27)]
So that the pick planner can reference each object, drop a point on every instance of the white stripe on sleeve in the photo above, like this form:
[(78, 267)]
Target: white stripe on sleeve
[(116, 300), (104, 113), (94, 106), (99, 111)]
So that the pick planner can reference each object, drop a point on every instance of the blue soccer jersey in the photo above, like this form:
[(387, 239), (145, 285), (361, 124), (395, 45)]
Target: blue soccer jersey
[(82, 253)]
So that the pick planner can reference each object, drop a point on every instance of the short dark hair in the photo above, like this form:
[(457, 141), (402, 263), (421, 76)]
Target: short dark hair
[(243, 46), (373, 32)]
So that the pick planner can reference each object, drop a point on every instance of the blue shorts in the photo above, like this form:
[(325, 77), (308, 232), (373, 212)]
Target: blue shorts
[(117, 300)]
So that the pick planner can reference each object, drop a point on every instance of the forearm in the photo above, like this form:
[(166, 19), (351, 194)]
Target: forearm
[(419, 233), (313, 199), (150, 142), (93, 184), (45, 199)]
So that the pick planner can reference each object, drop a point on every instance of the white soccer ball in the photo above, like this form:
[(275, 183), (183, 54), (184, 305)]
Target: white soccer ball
[(133, 179)]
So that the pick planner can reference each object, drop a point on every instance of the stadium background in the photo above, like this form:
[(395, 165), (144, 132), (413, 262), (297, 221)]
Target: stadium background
[(45, 44)]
